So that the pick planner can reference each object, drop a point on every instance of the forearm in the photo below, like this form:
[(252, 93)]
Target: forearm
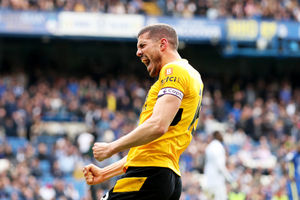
[(114, 169), (151, 129), (143, 134)]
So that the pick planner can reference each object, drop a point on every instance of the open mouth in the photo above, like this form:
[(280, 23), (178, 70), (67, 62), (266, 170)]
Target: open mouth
[(145, 61)]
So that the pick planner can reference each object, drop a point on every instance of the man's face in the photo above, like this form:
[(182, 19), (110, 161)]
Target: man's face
[(149, 52)]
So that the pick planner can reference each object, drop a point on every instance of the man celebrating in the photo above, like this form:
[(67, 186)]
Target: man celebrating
[(167, 120)]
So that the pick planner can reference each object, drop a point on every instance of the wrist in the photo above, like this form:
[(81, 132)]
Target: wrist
[(113, 148)]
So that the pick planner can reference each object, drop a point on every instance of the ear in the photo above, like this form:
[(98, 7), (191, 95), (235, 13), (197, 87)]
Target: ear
[(163, 44)]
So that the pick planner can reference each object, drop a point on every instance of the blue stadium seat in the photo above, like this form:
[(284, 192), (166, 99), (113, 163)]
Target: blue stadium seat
[(47, 179), (233, 149), (79, 185), (45, 166), (16, 143), (47, 139)]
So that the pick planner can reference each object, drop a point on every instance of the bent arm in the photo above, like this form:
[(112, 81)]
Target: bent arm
[(163, 114), (95, 175), (114, 169)]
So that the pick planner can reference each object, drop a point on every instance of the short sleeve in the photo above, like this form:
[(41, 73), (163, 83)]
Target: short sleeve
[(172, 81)]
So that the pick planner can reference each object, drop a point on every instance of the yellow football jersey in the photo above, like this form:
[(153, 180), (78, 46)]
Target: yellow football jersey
[(180, 79)]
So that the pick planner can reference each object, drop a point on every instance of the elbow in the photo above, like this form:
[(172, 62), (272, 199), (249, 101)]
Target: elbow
[(158, 127), (160, 130)]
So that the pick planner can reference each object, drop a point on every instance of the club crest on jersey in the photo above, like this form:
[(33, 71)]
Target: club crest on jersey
[(169, 71)]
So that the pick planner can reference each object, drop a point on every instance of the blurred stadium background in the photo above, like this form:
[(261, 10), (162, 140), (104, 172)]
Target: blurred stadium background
[(69, 77)]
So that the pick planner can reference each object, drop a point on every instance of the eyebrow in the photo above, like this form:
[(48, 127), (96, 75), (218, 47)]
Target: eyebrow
[(141, 43)]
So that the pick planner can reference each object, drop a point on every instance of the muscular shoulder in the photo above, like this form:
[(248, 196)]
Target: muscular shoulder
[(177, 68), (175, 75)]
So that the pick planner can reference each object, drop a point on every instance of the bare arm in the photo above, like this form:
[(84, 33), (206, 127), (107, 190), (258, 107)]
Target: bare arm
[(95, 175), (163, 114)]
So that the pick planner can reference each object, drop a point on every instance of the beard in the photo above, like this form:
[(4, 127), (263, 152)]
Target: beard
[(156, 65)]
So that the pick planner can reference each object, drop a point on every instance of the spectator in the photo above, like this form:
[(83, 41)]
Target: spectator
[(215, 171), (294, 173)]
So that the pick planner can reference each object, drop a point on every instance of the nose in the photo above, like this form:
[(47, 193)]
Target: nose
[(139, 53)]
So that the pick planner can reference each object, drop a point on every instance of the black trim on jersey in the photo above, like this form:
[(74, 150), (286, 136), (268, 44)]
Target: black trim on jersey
[(177, 117)]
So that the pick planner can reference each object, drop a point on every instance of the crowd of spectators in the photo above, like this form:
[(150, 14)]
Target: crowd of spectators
[(103, 6), (260, 123), (108, 108), (265, 9), (213, 9)]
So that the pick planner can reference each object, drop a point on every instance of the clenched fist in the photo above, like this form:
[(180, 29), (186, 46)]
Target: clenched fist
[(102, 150), (93, 175)]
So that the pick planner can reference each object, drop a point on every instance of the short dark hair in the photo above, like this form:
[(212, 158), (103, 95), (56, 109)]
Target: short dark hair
[(218, 136), (158, 31)]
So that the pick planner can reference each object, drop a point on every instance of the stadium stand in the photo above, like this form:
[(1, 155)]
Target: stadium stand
[(56, 100), (266, 9)]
